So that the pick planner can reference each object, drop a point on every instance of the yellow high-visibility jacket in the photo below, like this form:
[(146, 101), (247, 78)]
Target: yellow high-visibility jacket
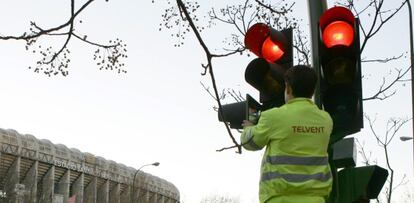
[(295, 165)]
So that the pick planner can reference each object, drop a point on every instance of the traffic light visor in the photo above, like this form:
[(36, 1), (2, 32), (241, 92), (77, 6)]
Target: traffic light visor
[(255, 36), (271, 51), (361, 183), (265, 77), (338, 33), (337, 13), (266, 42), (337, 27)]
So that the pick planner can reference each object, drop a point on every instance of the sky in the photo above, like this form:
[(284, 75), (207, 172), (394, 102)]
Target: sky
[(159, 111)]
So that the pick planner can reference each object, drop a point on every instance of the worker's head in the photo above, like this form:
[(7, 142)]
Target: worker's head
[(300, 81)]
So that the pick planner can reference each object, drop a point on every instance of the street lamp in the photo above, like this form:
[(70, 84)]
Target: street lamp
[(135, 175), (405, 138)]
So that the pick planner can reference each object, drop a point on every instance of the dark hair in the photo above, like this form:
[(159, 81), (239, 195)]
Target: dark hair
[(302, 79)]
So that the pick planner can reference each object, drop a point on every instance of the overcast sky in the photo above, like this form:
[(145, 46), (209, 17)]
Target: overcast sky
[(159, 111)]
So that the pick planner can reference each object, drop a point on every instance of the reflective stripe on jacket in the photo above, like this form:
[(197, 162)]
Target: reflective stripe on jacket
[(296, 160)]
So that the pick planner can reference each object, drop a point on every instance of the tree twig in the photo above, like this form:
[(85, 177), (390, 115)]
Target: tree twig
[(209, 57), (384, 88), (385, 60), (55, 62), (392, 128)]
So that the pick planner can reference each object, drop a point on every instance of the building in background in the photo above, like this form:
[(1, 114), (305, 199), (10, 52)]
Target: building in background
[(33, 170)]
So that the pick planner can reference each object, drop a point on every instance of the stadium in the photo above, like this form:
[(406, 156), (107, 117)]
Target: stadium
[(33, 170)]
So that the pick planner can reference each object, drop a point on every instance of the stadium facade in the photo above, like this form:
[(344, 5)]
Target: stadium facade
[(33, 170)]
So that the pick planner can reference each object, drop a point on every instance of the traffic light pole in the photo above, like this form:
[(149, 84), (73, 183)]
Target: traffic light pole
[(316, 8)]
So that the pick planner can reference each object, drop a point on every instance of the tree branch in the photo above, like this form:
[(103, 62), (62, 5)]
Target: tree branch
[(392, 128), (271, 9), (209, 57), (384, 88), (386, 60), (55, 62), (41, 32)]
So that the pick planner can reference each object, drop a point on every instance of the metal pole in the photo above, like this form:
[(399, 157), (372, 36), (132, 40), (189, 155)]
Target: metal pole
[(410, 15), (316, 8)]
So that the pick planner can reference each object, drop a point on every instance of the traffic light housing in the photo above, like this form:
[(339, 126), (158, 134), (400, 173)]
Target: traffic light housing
[(275, 52), (361, 184), (272, 45), (340, 71), (235, 113), (266, 73), (268, 79)]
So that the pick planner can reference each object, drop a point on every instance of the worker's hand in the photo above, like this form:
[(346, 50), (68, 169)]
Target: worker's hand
[(247, 123)]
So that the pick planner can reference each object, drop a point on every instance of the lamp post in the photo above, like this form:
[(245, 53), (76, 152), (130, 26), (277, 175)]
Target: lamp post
[(135, 175)]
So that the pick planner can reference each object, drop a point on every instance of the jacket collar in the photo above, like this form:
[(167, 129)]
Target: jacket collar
[(299, 99)]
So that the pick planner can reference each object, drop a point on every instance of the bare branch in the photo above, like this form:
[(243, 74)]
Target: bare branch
[(226, 148), (366, 158), (94, 43), (243, 15), (402, 182), (386, 60), (392, 128), (302, 48), (235, 95), (395, 127), (384, 88), (209, 57), (231, 147), (378, 20), (41, 32), (368, 35), (72, 9), (387, 19), (239, 50), (55, 62), (282, 11), (205, 68), (371, 126), (207, 89)]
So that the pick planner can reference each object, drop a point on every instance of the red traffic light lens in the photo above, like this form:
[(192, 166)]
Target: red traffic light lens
[(338, 33), (255, 36), (271, 51)]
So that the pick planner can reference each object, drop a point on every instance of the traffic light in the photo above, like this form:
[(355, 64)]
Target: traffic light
[(341, 96), (361, 184), (268, 79), (235, 113), (273, 45), (275, 51), (340, 74)]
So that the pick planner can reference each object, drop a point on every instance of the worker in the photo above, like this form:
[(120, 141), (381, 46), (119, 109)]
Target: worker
[(295, 166)]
